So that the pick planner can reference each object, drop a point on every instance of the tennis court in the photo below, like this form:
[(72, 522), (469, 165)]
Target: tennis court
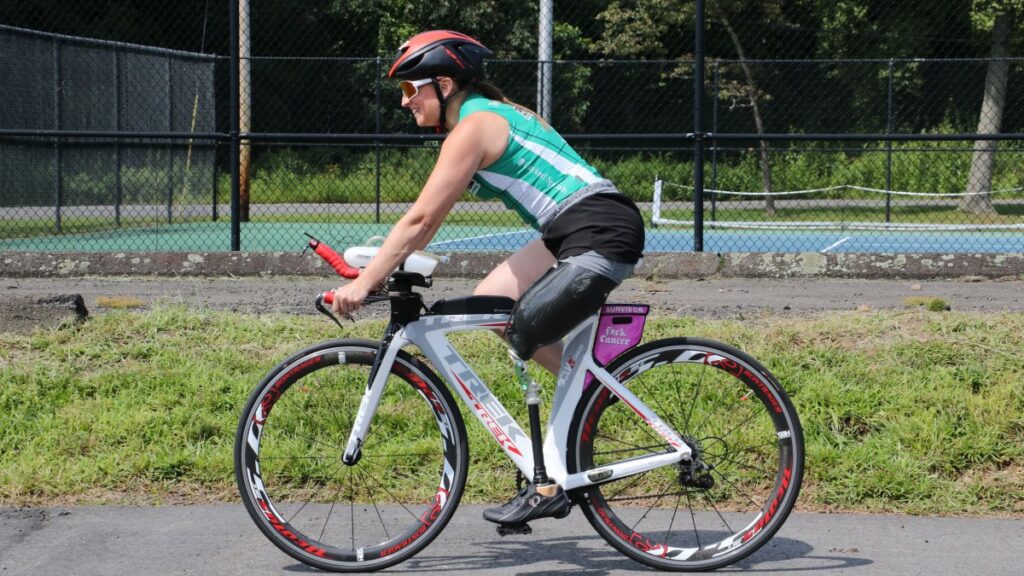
[(274, 237)]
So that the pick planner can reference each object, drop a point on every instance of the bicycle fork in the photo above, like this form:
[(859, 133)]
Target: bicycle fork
[(392, 342)]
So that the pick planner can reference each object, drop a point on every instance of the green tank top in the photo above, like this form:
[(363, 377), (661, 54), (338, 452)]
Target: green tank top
[(538, 170)]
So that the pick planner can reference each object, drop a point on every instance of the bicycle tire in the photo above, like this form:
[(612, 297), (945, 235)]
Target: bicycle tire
[(735, 416), (387, 506)]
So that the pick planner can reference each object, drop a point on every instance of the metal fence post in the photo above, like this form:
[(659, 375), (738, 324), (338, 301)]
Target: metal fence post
[(58, 181), (170, 145), (376, 143), (714, 143), (118, 196), (698, 129), (888, 149), (545, 54), (235, 156), (214, 212)]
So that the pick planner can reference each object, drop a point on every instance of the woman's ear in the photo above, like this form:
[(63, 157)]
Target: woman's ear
[(448, 86)]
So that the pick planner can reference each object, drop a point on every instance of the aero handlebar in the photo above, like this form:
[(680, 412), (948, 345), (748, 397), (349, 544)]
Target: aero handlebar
[(331, 257), (336, 261)]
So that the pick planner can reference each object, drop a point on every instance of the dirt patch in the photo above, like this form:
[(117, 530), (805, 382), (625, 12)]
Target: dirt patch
[(20, 314)]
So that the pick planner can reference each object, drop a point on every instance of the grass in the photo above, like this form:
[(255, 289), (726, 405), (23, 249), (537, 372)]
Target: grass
[(916, 411), (928, 302)]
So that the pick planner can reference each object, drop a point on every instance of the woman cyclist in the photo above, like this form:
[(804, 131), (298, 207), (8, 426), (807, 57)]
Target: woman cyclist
[(592, 236)]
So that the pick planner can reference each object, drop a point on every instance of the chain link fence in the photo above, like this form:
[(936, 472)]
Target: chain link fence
[(205, 126)]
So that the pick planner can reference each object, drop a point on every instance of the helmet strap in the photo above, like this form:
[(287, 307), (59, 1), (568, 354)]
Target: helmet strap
[(440, 128)]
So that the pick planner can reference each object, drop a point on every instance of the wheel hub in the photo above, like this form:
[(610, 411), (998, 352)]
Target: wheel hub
[(695, 473)]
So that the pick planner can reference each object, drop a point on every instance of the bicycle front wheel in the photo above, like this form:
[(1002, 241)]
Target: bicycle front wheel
[(377, 512), (747, 455)]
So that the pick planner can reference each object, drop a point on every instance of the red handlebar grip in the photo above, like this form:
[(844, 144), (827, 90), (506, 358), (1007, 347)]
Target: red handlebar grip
[(331, 257), (327, 298)]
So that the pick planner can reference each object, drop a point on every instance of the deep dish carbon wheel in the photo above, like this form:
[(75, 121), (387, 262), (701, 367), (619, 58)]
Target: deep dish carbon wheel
[(745, 436), (387, 506)]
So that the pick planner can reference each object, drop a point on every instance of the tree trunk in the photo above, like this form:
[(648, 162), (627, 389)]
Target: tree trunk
[(766, 169), (979, 183)]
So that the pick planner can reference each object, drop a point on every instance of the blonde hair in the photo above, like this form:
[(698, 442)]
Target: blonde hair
[(492, 92)]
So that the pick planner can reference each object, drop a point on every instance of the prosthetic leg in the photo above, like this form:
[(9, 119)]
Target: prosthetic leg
[(553, 306)]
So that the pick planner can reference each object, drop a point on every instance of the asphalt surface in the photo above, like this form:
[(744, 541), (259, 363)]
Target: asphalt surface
[(722, 298), (221, 540)]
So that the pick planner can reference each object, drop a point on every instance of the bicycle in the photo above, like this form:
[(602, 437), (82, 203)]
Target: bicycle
[(699, 483)]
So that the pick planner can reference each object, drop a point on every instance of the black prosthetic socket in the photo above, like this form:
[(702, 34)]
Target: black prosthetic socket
[(562, 298)]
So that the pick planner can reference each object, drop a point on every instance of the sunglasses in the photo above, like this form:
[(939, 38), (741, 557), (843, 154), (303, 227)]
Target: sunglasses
[(410, 88)]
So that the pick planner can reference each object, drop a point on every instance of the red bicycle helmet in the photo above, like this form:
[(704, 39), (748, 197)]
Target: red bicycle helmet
[(440, 53)]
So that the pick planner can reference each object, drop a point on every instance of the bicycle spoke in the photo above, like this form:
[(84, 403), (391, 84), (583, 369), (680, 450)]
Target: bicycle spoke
[(739, 489), (379, 517), (273, 458), (668, 534), (291, 434), (645, 428), (652, 506), (632, 447), (766, 444), (732, 458), (644, 497), (743, 422), (632, 482), (396, 500), (329, 513), (693, 518), (399, 455), (693, 402), (717, 511), (304, 504), (352, 514)]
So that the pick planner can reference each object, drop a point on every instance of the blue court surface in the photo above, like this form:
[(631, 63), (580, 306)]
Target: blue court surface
[(272, 237), (681, 240)]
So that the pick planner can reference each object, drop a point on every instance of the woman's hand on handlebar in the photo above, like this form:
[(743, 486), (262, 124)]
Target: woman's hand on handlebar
[(349, 298)]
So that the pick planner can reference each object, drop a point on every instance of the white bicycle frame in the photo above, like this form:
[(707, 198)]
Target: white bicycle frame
[(429, 334)]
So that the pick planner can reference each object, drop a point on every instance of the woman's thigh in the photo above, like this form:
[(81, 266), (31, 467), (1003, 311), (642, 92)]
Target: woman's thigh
[(513, 276)]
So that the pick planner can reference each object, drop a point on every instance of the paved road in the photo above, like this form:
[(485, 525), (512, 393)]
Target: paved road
[(221, 540), (725, 297)]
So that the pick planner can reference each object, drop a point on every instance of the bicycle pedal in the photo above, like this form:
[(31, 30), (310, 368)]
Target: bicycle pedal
[(513, 529)]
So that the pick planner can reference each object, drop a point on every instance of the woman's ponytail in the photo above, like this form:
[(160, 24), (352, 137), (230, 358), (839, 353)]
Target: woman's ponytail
[(492, 92)]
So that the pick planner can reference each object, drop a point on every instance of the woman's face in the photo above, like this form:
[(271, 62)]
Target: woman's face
[(423, 101)]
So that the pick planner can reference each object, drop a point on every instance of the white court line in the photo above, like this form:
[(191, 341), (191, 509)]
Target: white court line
[(835, 245), (434, 245)]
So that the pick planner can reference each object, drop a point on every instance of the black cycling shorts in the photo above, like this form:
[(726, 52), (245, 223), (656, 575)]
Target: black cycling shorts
[(609, 224)]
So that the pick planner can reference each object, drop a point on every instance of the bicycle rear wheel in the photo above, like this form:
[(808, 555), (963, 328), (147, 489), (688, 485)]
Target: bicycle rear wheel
[(387, 506), (747, 443)]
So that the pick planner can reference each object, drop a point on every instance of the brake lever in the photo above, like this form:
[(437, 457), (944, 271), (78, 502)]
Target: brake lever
[(319, 304)]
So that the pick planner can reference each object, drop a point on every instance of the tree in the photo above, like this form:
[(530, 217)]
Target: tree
[(720, 12), (637, 29), (994, 15)]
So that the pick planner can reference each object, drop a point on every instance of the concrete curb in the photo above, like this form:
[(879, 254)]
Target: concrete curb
[(476, 265)]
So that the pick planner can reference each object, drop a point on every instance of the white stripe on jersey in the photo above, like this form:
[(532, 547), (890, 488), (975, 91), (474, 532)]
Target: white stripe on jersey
[(533, 200), (560, 163)]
